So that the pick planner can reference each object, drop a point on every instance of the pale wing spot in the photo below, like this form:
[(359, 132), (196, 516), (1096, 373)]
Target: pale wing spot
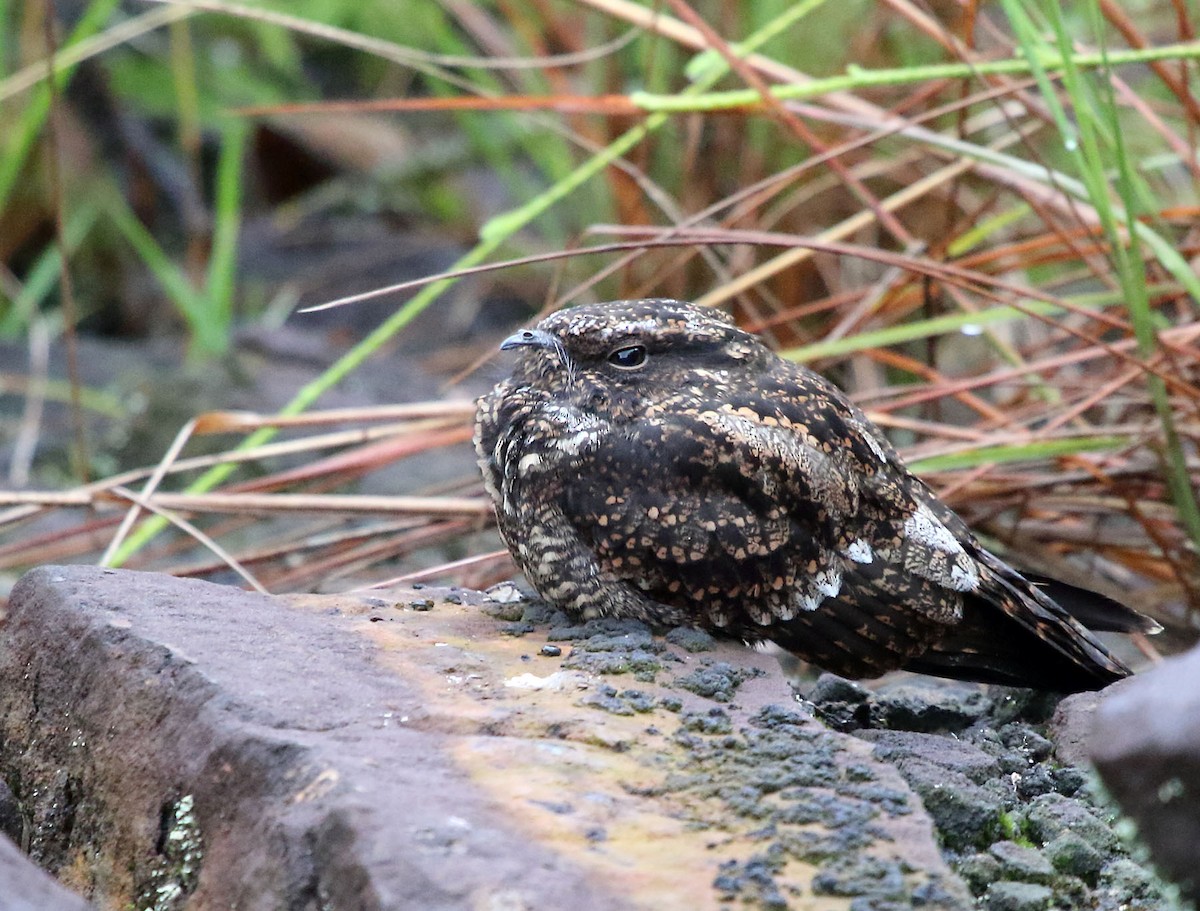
[(872, 443), (759, 613), (785, 611), (923, 527), (964, 574), (529, 462), (829, 581), (859, 551), (805, 600)]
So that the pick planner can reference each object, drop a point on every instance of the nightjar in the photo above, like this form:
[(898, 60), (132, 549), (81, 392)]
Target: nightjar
[(649, 459)]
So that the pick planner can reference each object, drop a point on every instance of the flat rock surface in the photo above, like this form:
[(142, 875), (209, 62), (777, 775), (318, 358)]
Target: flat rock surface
[(174, 744)]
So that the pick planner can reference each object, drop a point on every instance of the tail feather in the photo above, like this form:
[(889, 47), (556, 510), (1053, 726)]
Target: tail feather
[(1006, 653), (1012, 632), (1097, 612)]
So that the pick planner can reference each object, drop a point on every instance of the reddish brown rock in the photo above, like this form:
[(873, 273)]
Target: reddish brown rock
[(175, 744)]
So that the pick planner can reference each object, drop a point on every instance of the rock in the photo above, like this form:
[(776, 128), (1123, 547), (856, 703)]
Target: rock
[(23, 887), (1146, 746), (840, 703), (831, 688), (947, 753), (979, 870), (1071, 728), (1017, 897), (958, 782), (945, 772), (1129, 886), (1052, 815), (1006, 810), (929, 708), (175, 742), (1021, 863), (1071, 854)]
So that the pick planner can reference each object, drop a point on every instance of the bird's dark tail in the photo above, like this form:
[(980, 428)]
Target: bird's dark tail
[(1015, 633), (1097, 612)]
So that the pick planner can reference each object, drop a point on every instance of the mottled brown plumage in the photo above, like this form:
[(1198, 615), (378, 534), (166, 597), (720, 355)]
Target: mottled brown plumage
[(649, 459)]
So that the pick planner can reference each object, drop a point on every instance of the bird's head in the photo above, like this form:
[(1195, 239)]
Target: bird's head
[(617, 358)]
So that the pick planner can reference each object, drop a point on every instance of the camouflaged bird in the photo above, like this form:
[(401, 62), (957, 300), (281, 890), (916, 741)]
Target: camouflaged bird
[(649, 459)]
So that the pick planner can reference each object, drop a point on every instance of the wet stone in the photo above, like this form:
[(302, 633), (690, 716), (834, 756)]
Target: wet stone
[(1034, 782), (840, 704), (1051, 815), (10, 813), (830, 688), (1014, 704), (1071, 854), (1068, 780), (979, 871), (986, 765), (1129, 886), (927, 750), (1026, 741), (926, 709), (966, 815), (1022, 863), (1006, 896)]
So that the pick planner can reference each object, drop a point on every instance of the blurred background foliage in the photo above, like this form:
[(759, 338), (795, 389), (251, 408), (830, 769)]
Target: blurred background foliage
[(998, 261)]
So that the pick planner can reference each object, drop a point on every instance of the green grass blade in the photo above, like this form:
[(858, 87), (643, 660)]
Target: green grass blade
[(227, 220), (916, 330), (1035, 451), (171, 277)]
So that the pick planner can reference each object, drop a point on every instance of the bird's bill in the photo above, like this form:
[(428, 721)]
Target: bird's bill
[(529, 338)]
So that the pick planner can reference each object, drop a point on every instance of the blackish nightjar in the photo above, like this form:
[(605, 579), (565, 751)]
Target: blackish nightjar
[(649, 459)]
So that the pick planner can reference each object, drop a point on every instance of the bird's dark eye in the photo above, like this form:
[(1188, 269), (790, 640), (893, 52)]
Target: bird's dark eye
[(629, 357)]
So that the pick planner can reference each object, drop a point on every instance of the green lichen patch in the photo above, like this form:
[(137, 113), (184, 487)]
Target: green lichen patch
[(810, 802), (180, 855), (716, 680)]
